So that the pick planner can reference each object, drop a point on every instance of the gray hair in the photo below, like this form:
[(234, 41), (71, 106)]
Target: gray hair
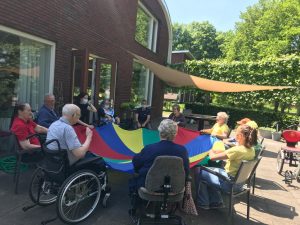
[(223, 115), (167, 129), (48, 95), (69, 109)]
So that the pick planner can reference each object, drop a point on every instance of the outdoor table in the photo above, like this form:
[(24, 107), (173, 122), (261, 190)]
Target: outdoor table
[(200, 119)]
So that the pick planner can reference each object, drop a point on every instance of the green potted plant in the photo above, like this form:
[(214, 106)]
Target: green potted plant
[(127, 110), (266, 132)]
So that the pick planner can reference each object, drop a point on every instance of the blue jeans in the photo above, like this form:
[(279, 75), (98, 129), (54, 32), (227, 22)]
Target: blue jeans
[(209, 187)]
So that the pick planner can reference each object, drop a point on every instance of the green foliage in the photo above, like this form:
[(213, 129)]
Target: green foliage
[(283, 71), (262, 118), (127, 105), (198, 37), (267, 128), (268, 28), (142, 27)]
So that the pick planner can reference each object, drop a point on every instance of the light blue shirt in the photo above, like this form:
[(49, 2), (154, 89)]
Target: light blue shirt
[(66, 136)]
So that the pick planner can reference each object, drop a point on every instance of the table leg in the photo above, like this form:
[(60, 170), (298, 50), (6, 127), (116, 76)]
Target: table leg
[(200, 124)]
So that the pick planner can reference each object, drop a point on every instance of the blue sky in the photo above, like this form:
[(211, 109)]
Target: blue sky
[(221, 13)]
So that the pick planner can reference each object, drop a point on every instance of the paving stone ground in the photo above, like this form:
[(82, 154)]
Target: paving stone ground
[(273, 203)]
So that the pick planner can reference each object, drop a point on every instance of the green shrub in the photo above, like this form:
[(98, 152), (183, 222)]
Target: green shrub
[(262, 118), (267, 128)]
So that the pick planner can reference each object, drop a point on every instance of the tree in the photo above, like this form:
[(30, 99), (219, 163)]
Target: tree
[(198, 37), (269, 28)]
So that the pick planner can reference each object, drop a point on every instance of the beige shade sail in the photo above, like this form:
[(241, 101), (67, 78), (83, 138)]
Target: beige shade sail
[(176, 78)]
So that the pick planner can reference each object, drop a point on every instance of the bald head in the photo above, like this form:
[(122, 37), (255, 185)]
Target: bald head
[(70, 109)]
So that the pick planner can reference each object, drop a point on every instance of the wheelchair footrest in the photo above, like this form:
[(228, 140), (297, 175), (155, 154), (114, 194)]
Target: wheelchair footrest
[(48, 221), (288, 177)]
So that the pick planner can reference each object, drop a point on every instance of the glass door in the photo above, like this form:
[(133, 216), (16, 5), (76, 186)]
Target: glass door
[(79, 72)]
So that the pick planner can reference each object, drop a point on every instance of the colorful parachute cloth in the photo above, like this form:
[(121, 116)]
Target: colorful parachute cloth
[(118, 146)]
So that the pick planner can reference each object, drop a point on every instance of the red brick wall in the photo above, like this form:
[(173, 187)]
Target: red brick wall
[(87, 24)]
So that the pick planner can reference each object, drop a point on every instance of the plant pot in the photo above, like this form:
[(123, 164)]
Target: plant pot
[(276, 136), (265, 133)]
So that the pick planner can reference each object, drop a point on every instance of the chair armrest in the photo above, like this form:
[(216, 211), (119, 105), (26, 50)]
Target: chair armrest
[(216, 174), (30, 151), (33, 135), (50, 141)]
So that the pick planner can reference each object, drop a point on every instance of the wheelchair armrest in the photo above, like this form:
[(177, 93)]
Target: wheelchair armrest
[(30, 151), (216, 174), (85, 161), (33, 135), (50, 141)]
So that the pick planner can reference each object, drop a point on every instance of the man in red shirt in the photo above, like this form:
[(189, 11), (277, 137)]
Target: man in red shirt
[(23, 126)]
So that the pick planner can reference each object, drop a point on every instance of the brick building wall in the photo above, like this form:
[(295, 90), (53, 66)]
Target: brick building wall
[(101, 26)]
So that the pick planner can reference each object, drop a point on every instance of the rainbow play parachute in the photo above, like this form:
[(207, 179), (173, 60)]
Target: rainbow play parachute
[(117, 146)]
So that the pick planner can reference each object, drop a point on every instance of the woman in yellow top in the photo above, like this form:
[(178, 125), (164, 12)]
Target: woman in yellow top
[(220, 129), (207, 194)]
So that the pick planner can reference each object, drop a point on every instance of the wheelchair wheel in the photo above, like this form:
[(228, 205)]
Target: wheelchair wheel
[(40, 184), (78, 196), (280, 161)]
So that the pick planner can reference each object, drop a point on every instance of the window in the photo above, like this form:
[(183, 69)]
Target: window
[(142, 83), (105, 81), (26, 71), (146, 28)]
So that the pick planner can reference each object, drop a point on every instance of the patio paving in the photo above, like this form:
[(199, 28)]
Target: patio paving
[(273, 203)]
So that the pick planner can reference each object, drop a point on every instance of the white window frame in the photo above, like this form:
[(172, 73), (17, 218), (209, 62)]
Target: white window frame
[(41, 40), (152, 44)]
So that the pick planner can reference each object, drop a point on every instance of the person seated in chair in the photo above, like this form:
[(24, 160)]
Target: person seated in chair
[(63, 131), (220, 129), (143, 161), (208, 196), (106, 113), (142, 116), (177, 116), (23, 126), (47, 115), (230, 142)]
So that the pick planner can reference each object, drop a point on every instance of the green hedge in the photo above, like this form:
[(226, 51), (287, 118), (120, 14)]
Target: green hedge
[(263, 118), (273, 71)]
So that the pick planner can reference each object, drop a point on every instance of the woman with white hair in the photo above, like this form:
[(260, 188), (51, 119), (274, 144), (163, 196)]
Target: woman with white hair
[(143, 161), (220, 129)]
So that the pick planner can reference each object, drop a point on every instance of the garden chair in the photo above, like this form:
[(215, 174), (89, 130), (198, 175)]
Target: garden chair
[(165, 184), (9, 146), (259, 149), (243, 177)]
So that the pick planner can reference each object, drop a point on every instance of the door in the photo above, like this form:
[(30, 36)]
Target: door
[(80, 62)]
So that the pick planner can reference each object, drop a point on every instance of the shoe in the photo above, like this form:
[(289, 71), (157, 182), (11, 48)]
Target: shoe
[(216, 205), (205, 207)]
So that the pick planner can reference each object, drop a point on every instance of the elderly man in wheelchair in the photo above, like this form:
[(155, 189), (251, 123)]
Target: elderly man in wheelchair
[(69, 175)]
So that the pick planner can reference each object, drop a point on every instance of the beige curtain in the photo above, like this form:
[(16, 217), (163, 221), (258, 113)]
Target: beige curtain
[(176, 78)]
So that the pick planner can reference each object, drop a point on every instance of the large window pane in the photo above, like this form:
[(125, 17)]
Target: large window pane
[(141, 83), (146, 28), (24, 73), (142, 27), (105, 80)]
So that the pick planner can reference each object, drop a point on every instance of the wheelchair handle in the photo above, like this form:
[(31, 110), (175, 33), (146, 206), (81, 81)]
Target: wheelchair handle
[(53, 140)]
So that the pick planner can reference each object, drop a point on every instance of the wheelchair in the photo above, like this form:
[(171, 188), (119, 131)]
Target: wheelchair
[(75, 189), (291, 154)]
